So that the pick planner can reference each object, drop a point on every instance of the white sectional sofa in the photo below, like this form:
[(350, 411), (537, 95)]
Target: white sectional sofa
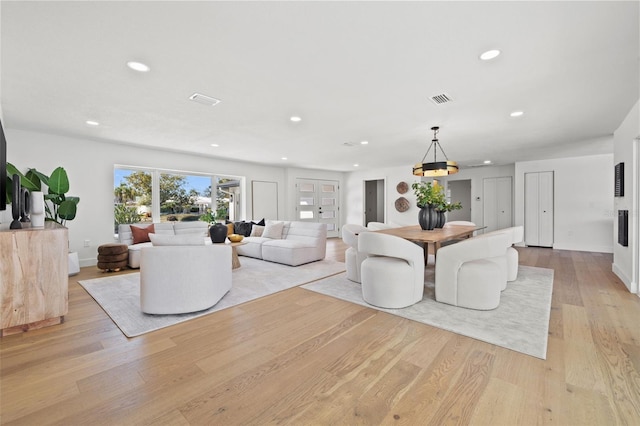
[(296, 243), (125, 236)]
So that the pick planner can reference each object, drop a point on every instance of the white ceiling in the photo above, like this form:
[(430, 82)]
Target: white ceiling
[(352, 70)]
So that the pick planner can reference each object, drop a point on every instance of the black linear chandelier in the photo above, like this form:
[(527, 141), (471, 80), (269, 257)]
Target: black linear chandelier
[(435, 168)]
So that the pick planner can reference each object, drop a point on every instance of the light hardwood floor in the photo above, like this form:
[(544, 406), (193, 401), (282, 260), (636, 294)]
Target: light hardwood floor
[(302, 358)]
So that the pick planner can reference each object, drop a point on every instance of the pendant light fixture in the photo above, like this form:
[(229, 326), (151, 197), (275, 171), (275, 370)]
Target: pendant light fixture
[(435, 168)]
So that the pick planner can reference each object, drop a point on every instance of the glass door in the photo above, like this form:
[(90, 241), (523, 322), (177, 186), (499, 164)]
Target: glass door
[(318, 201)]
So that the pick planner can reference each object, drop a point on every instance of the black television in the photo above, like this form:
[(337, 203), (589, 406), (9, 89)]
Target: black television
[(3, 169)]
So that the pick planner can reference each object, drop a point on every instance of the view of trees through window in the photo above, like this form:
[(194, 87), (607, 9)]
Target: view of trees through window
[(181, 197)]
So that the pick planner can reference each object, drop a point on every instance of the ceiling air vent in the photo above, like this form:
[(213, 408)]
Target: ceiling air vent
[(442, 98), (348, 144), (204, 99)]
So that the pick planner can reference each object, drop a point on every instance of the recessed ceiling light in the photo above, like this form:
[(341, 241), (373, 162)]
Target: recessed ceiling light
[(490, 54), (138, 66), (516, 114), (92, 123), (364, 142), (487, 161), (215, 145), (295, 119), (356, 165), (284, 158)]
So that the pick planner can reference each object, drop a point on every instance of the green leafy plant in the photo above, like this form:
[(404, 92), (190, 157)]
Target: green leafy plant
[(59, 207), (447, 207), (428, 194), (208, 217), (125, 214)]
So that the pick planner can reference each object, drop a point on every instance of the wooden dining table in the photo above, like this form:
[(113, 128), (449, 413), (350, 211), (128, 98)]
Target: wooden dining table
[(434, 237)]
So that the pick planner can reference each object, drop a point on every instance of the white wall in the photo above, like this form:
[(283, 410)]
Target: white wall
[(626, 150), (354, 195), (583, 200), (90, 168)]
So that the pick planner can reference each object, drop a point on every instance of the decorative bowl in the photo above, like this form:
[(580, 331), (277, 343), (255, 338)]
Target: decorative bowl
[(235, 238)]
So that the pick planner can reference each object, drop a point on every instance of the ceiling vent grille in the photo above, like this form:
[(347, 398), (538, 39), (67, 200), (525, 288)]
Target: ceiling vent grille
[(440, 99), (204, 99)]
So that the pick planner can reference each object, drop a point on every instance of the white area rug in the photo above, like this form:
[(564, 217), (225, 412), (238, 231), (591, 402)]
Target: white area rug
[(119, 295), (520, 323)]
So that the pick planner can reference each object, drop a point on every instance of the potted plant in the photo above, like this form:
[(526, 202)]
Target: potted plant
[(433, 204), (58, 206)]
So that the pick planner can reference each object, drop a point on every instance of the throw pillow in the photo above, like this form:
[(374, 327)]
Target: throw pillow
[(261, 223), (177, 240), (273, 230), (257, 231), (242, 228), (141, 235)]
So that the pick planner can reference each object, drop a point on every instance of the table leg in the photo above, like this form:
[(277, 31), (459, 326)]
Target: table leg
[(235, 261)]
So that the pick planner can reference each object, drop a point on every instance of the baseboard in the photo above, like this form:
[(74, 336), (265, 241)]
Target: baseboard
[(592, 249), (88, 262), (627, 281)]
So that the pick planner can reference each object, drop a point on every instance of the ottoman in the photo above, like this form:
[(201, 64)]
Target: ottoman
[(113, 257)]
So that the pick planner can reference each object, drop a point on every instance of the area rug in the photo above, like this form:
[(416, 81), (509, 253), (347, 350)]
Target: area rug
[(119, 295), (520, 323)]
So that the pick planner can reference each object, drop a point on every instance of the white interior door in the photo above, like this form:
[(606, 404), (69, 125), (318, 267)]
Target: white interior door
[(538, 209), (490, 205), (531, 208), (497, 206), (319, 201), (504, 202), (545, 196)]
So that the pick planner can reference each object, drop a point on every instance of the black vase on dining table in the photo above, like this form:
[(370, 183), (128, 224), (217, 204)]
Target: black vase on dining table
[(427, 217)]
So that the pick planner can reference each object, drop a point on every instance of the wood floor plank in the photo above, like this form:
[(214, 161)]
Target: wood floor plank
[(581, 361), (470, 385)]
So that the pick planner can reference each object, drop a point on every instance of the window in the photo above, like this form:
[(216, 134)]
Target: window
[(152, 195)]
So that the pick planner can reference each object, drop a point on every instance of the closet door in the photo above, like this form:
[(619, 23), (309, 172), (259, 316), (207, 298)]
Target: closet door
[(545, 197), (538, 209), (490, 206), (531, 208), (503, 202), (497, 206)]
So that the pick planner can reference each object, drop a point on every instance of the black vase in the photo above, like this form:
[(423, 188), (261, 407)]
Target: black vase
[(440, 219), (218, 233), (15, 203), (25, 205), (427, 218)]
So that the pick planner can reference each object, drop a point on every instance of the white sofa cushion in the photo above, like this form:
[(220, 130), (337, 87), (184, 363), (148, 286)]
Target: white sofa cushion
[(289, 252), (177, 240), (252, 247), (196, 227)]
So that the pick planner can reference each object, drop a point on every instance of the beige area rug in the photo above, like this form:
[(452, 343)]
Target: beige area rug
[(520, 323), (119, 295)]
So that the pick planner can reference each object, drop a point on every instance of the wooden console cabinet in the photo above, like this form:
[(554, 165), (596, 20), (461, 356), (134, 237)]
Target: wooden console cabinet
[(34, 277)]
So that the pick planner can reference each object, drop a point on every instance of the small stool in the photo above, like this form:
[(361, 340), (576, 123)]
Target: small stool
[(113, 257)]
